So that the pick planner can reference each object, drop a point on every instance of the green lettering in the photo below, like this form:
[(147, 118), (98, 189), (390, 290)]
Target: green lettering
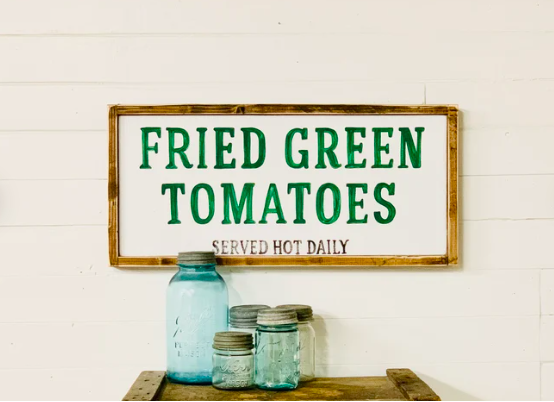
[(352, 148), (171, 131), (173, 193), (146, 148), (322, 150), (194, 203), (320, 200), (288, 149), (248, 164), (299, 192), (379, 198), (353, 203), (202, 147), (273, 195), (407, 141), (378, 148), (230, 203), (221, 147)]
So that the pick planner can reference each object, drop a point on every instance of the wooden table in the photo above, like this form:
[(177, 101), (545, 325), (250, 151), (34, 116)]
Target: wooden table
[(398, 385)]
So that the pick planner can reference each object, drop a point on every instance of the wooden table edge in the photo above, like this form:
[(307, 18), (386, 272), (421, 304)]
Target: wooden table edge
[(150, 384), (411, 386)]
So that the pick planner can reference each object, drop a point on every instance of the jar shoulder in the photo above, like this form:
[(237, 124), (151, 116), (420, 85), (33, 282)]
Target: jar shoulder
[(212, 277)]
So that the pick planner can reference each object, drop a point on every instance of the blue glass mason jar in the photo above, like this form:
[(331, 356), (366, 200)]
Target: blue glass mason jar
[(197, 308), (277, 359)]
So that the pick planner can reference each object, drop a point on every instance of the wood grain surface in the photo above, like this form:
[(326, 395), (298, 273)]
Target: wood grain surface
[(399, 385)]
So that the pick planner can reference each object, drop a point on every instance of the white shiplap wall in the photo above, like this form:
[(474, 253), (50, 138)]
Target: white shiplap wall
[(71, 327)]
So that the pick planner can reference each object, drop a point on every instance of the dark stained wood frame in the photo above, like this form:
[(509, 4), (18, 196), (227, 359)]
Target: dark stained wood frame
[(451, 112)]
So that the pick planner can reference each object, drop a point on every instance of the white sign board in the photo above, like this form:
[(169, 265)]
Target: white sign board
[(284, 185)]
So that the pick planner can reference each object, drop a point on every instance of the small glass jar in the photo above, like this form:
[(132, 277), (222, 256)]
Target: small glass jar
[(277, 349), (307, 340), (233, 360), (244, 318)]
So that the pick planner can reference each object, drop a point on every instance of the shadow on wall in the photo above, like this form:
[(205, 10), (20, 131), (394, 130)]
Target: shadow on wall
[(445, 391)]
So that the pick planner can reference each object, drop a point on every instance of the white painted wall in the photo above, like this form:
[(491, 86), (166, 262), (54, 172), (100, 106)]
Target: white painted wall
[(79, 329)]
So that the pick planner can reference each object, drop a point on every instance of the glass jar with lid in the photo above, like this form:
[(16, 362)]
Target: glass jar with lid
[(233, 360), (307, 340), (244, 318), (197, 308), (277, 359)]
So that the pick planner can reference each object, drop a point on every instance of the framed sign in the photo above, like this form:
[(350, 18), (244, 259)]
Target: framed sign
[(284, 184)]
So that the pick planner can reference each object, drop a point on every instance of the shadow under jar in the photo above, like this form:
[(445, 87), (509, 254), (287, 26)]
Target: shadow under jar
[(277, 361), (233, 360)]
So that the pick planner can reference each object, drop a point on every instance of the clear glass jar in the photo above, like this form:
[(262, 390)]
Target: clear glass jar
[(233, 361), (307, 350), (250, 330), (307, 340), (277, 361), (197, 308)]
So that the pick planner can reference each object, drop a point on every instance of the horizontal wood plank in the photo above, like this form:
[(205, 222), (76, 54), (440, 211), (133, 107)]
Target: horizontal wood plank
[(547, 382), (339, 342), (547, 291), (85, 107), (69, 155), (497, 104), (492, 151), (452, 381), (456, 381), (320, 389), (330, 57), (96, 295), (547, 334), (497, 244), (431, 340), (274, 16)]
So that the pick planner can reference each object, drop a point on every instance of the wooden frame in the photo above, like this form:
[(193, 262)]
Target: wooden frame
[(451, 112)]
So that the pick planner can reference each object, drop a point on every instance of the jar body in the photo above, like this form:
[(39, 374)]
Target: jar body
[(197, 308), (233, 369), (277, 362), (307, 350)]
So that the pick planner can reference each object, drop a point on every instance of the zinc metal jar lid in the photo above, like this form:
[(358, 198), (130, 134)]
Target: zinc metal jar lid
[(304, 312), (277, 316), (231, 340), (245, 315), (196, 258)]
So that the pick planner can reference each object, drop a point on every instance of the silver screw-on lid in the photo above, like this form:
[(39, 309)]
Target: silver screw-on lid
[(277, 316), (245, 315), (304, 312), (231, 340), (196, 258)]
